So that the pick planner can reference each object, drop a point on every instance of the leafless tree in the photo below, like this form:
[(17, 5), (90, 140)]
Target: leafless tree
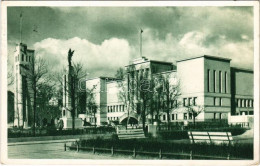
[(36, 77), (167, 92), (120, 73), (125, 97), (10, 76), (195, 110), (91, 102)]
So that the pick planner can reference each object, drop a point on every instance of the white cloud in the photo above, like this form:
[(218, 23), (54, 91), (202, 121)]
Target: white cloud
[(107, 56), (191, 45)]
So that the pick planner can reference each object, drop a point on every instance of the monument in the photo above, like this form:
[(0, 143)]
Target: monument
[(69, 112)]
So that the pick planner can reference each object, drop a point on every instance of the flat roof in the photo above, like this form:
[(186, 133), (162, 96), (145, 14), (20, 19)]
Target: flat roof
[(242, 69), (152, 61), (164, 72), (208, 57), (102, 77)]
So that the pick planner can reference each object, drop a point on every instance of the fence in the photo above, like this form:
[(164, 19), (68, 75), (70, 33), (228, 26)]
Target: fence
[(207, 124), (160, 154)]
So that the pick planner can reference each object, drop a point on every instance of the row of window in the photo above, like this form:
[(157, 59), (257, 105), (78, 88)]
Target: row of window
[(217, 101), (116, 108), (163, 105), (92, 120), (189, 101), (24, 58), (173, 117), (113, 118), (189, 116), (246, 113), (245, 103), (216, 78)]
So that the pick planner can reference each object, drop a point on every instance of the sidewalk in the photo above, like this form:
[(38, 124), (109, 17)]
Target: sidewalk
[(41, 142), (60, 137)]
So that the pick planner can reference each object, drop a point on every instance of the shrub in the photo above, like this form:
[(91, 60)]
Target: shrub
[(177, 134), (153, 145)]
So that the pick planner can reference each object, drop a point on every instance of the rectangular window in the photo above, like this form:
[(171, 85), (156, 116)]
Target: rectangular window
[(226, 84), (190, 115), (176, 116), (164, 117), (22, 57), (108, 109), (214, 100), (220, 81), (237, 102), (220, 115), (26, 59), (172, 116), (29, 58), (195, 101), (208, 80), (184, 101), (214, 80), (214, 116), (185, 116), (220, 101), (190, 101)]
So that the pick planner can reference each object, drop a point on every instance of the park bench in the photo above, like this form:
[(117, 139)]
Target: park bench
[(210, 137), (130, 134)]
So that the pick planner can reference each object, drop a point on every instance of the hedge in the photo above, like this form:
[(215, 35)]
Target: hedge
[(153, 145)]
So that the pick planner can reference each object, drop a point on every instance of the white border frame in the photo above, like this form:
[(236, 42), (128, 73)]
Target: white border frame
[(3, 82)]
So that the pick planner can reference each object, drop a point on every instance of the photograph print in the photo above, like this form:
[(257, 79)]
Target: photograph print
[(131, 82)]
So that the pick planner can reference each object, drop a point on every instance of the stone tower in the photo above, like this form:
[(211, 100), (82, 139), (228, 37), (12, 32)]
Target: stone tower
[(23, 59)]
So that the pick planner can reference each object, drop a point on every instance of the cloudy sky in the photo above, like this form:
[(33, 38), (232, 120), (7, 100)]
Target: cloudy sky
[(105, 38)]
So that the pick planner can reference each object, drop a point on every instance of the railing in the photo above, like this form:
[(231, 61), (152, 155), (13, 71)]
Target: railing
[(160, 154)]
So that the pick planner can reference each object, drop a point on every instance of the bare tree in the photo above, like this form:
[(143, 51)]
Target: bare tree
[(167, 90), (10, 76), (143, 94), (36, 77), (195, 110), (120, 73), (91, 102), (125, 97)]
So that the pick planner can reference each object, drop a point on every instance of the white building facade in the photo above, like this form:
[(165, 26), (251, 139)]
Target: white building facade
[(23, 59), (205, 81)]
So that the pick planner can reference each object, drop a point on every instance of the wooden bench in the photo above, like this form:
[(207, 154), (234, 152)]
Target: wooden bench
[(210, 137), (130, 134)]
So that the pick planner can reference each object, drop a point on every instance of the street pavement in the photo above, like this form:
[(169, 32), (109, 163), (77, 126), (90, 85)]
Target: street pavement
[(52, 150)]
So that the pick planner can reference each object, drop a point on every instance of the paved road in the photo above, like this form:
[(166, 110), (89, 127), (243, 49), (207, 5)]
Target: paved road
[(51, 150)]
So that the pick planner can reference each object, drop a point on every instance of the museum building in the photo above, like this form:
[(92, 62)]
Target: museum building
[(206, 81)]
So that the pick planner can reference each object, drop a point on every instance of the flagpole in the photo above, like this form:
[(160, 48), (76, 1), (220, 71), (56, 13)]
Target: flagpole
[(21, 22), (141, 31)]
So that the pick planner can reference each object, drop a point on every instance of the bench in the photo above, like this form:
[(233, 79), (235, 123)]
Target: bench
[(211, 137), (130, 134)]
